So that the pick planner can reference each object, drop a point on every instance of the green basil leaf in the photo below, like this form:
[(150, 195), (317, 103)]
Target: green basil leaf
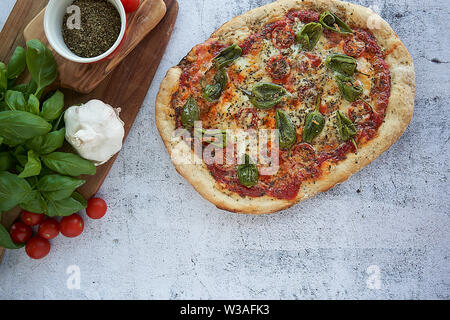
[(56, 187), (287, 131), (3, 80), (13, 190), (267, 95), (53, 106), (33, 104), (48, 143), (21, 155), (342, 64), (35, 204), (248, 173), (32, 167), (17, 64), (349, 89), (212, 92), (314, 123), (80, 199), (190, 113), (347, 129), (6, 241), (16, 127), (309, 35), (68, 164), (6, 161), (41, 64), (21, 88), (227, 56), (66, 207), (334, 23), (15, 100)]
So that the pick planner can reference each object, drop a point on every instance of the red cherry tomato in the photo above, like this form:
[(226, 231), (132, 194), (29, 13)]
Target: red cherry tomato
[(49, 229), (130, 5), (37, 248), (31, 219), (96, 208), (71, 226), (20, 232)]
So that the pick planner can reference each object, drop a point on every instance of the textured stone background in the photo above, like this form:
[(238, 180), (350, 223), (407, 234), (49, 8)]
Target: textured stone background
[(162, 240)]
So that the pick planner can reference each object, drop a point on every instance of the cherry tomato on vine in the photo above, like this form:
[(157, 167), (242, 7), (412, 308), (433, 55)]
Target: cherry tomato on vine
[(130, 5), (49, 229), (96, 208), (31, 219), (37, 248), (71, 226), (20, 232)]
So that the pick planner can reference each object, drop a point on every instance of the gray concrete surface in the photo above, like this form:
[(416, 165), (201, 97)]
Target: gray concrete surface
[(161, 240)]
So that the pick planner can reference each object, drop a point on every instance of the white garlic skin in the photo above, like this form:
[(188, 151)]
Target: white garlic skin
[(95, 130)]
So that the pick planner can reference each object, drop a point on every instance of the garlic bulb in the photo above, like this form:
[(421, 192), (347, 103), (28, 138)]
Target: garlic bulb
[(95, 130)]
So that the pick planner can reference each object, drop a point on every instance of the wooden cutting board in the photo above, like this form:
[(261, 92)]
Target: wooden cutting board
[(86, 77), (125, 87)]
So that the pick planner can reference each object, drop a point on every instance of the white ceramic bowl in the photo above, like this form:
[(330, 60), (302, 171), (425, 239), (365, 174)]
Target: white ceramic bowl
[(53, 21)]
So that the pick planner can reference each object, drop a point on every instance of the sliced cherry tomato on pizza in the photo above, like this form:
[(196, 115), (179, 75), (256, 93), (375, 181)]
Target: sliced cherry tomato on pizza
[(315, 60), (283, 37), (37, 248), (279, 67), (71, 226), (130, 5), (20, 232), (353, 47), (31, 219), (49, 229), (96, 208)]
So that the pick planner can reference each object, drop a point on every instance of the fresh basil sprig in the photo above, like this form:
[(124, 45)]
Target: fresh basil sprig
[(267, 95), (190, 113), (227, 56), (287, 132), (248, 173), (309, 35), (334, 23), (30, 133), (314, 123)]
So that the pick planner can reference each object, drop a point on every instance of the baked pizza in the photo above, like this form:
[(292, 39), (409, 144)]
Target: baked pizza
[(330, 80)]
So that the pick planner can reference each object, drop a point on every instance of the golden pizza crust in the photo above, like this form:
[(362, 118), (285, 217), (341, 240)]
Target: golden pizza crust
[(398, 114)]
